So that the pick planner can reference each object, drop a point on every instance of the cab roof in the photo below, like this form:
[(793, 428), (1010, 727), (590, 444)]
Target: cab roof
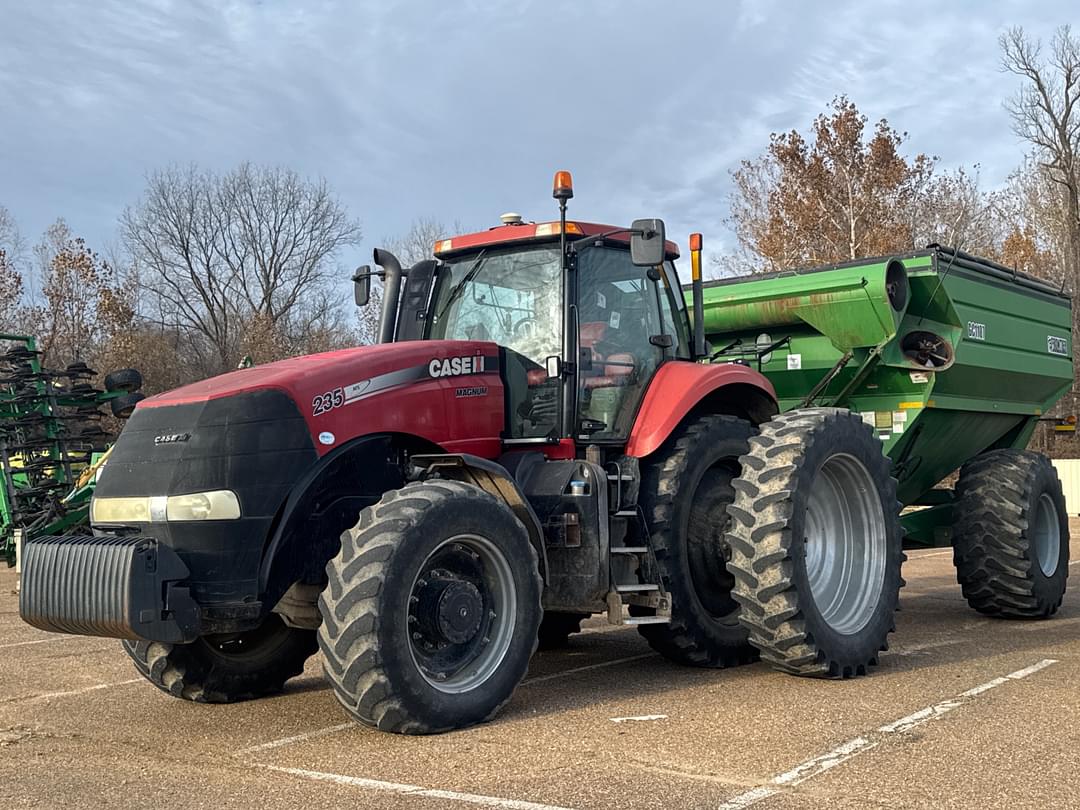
[(526, 232)]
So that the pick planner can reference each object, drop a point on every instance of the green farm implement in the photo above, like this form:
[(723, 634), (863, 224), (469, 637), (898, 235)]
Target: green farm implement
[(51, 441), (951, 359)]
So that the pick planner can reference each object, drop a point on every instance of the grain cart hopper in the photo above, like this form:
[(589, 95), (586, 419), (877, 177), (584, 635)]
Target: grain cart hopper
[(951, 359), (533, 439)]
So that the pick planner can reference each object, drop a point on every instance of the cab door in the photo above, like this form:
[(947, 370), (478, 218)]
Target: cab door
[(623, 340)]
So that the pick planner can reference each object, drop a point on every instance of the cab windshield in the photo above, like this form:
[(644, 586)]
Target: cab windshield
[(509, 297)]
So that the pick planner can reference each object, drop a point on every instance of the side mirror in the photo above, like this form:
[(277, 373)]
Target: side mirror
[(362, 285), (647, 242)]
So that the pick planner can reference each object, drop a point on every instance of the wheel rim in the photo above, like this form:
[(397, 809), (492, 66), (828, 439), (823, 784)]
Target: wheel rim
[(462, 612), (1047, 535), (845, 544)]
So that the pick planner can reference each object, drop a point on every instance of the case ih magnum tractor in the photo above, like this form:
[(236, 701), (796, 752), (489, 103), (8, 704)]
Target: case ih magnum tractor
[(531, 441)]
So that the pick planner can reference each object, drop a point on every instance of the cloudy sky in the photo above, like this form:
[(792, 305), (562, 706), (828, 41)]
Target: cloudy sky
[(460, 111)]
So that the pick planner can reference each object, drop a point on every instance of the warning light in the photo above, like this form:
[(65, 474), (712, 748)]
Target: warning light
[(695, 257), (563, 187)]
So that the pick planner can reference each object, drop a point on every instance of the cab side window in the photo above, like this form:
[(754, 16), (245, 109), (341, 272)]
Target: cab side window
[(673, 312), (618, 313)]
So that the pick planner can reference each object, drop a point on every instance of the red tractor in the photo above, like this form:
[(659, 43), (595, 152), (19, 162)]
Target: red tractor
[(533, 440)]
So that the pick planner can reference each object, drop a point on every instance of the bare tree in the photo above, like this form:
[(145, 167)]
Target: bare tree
[(415, 245), (11, 241), (1046, 112), (953, 210), (11, 278), (418, 243), (230, 255)]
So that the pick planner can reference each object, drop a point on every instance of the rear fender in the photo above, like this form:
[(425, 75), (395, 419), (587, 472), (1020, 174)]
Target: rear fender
[(678, 388), (494, 479)]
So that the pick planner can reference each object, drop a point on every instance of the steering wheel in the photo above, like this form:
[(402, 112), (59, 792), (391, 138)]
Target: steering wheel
[(525, 328)]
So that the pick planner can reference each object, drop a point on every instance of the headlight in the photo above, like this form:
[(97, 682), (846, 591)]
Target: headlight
[(219, 504), (120, 510)]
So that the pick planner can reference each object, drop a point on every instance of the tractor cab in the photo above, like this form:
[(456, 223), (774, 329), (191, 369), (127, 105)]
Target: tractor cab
[(584, 315)]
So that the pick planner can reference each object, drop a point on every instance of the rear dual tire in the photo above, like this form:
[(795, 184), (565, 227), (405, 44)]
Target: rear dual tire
[(685, 493), (816, 544)]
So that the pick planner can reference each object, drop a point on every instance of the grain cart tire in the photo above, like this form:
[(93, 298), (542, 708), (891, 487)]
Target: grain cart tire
[(556, 628), (1011, 535), (432, 610), (126, 379), (816, 543), (124, 405), (685, 492), (229, 667)]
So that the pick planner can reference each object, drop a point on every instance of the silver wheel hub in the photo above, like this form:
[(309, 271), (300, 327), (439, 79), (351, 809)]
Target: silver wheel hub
[(1046, 535), (845, 544), (461, 613)]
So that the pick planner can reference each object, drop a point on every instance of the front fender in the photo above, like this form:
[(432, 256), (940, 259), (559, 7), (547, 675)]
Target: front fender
[(679, 387)]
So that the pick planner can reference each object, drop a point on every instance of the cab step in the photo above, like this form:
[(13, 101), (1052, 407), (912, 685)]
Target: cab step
[(637, 587)]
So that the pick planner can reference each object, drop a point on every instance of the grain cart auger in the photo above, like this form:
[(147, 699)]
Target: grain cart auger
[(951, 360), (531, 441), (51, 437)]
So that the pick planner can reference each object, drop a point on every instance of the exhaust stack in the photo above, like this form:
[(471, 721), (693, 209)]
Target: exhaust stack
[(391, 293)]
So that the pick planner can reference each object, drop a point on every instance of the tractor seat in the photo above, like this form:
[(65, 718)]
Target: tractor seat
[(618, 370)]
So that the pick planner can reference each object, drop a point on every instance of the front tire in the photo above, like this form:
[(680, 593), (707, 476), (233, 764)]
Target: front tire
[(1011, 535), (226, 668), (816, 543), (432, 609), (685, 492)]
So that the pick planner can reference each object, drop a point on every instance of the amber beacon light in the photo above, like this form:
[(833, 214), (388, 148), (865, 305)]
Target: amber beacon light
[(563, 187)]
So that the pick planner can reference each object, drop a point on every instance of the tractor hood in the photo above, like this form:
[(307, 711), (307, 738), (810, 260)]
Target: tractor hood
[(418, 385), (318, 370)]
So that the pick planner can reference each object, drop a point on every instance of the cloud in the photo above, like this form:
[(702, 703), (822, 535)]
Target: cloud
[(461, 112)]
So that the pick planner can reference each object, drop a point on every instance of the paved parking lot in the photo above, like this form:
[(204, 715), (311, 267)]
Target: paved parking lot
[(963, 712)]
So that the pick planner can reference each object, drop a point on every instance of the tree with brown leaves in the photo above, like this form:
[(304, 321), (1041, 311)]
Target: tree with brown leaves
[(834, 196), (84, 305)]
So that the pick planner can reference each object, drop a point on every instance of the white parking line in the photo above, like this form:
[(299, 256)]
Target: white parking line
[(915, 649), (309, 735), (414, 790), (71, 693), (37, 641), (323, 732), (845, 751), (575, 670)]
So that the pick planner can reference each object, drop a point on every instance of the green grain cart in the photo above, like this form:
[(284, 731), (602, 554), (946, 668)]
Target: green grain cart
[(952, 359)]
